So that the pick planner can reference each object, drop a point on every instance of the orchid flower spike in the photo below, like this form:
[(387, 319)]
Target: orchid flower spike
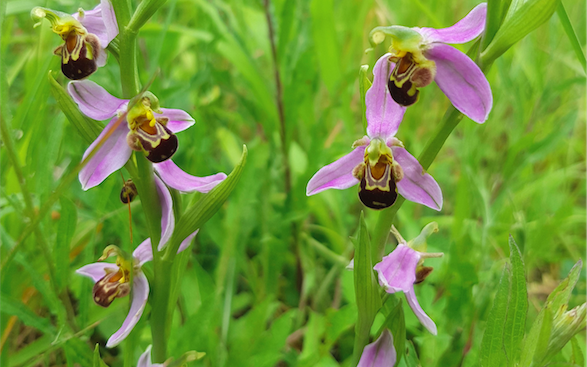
[(379, 162), (85, 34), (379, 353), (422, 55), (113, 281), (403, 268), (148, 128)]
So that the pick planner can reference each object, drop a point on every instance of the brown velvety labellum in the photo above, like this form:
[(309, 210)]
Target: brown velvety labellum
[(80, 68), (400, 95), (377, 198), (164, 150)]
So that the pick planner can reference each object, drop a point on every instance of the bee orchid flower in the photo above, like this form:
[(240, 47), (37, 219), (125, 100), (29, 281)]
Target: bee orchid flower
[(148, 128), (113, 281), (85, 34), (403, 268), (379, 162), (421, 55)]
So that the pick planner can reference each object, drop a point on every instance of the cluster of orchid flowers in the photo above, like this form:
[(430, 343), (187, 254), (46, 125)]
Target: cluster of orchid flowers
[(379, 162), (142, 126), (382, 166)]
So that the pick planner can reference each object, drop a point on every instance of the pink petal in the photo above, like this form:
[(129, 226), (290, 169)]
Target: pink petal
[(416, 185), (420, 314), (167, 216), (179, 120), (101, 58), (462, 81), (384, 115), (140, 294), (143, 252), (174, 177), (465, 30), (93, 100), (188, 240), (338, 174), (111, 156), (93, 21), (96, 271), (145, 360), (380, 353), (397, 271), (109, 19)]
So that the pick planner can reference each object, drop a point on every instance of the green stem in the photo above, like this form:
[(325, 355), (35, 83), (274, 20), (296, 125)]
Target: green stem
[(145, 183), (451, 119), (129, 75), (144, 179)]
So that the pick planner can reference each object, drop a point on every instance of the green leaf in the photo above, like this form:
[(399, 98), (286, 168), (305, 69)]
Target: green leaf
[(517, 305), (411, 356), (496, 11), (561, 294), (523, 17), (65, 231), (97, 361), (366, 289), (577, 357), (198, 214), (364, 85), (16, 308), (492, 353), (543, 338), (571, 34), (396, 323), (535, 338), (87, 128)]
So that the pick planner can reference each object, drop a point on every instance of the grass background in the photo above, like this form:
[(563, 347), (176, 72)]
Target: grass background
[(265, 283)]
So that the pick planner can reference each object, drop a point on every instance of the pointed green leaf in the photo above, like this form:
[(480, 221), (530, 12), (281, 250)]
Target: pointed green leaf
[(198, 214), (87, 128), (366, 289), (561, 294), (396, 323), (492, 353), (541, 327), (577, 357), (523, 17), (496, 11), (411, 359), (98, 362), (517, 306), (543, 337), (364, 85), (65, 231), (571, 35)]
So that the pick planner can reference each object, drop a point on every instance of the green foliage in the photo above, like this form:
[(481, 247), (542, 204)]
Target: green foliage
[(269, 265), (366, 289), (506, 321)]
